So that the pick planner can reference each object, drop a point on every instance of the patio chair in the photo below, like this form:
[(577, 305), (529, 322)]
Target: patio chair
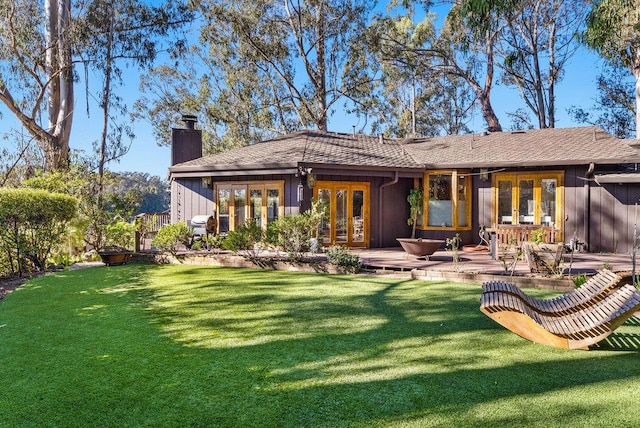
[(596, 288), (577, 330)]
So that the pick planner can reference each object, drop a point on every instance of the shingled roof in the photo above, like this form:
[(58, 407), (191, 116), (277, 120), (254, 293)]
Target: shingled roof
[(543, 147), (308, 148), (540, 147)]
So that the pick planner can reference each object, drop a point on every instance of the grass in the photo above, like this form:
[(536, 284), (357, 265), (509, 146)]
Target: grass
[(156, 346)]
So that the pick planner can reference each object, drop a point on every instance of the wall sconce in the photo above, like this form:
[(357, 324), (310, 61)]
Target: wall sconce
[(311, 180), (484, 174), (206, 183)]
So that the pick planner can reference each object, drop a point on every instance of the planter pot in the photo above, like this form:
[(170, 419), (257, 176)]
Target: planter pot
[(543, 258), (420, 247), (115, 258)]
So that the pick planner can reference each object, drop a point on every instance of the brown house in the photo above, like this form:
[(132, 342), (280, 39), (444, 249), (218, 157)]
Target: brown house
[(580, 182)]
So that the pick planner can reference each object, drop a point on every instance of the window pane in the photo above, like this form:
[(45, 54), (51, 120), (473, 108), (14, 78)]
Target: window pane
[(239, 207), (526, 203), (273, 204), (341, 215), (548, 201), (324, 195), (505, 198), (440, 201), (223, 209), (256, 206), (358, 217), (462, 201)]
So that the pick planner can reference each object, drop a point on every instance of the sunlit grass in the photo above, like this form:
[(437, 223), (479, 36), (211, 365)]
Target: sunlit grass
[(144, 345)]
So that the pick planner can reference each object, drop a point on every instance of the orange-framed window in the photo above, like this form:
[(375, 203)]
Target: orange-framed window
[(447, 200), (238, 202)]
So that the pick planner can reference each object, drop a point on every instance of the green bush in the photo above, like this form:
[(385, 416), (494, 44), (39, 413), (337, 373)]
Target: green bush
[(32, 224), (120, 234), (341, 257), (294, 233), (170, 237), (244, 239)]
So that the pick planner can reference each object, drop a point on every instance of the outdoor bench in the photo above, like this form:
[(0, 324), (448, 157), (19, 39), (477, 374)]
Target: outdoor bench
[(596, 288), (575, 330)]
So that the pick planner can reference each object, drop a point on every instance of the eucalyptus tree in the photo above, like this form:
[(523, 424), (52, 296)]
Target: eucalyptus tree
[(535, 46), (36, 72), (395, 83), (615, 103), (466, 48), (112, 34), (270, 66), (613, 30)]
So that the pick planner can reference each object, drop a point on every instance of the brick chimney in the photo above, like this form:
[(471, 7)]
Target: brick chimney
[(186, 143)]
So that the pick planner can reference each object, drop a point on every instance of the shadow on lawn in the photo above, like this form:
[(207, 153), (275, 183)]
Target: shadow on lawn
[(426, 354)]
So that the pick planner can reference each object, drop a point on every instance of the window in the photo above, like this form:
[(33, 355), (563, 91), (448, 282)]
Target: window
[(238, 202), (448, 200), (529, 199)]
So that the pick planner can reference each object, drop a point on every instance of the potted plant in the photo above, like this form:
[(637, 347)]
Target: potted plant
[(541, 256), (417, 247), (119, 239)]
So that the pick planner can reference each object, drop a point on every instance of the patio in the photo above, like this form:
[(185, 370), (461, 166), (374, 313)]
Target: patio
[(477, 266)]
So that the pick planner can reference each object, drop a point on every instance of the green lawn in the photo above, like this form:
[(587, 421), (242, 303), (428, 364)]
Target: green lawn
[(144, 345)]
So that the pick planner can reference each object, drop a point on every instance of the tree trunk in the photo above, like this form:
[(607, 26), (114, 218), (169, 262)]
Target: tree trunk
[(58, 67), (484, 97)]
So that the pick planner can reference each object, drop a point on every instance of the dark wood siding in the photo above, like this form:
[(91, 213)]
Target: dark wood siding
[(190, 198)]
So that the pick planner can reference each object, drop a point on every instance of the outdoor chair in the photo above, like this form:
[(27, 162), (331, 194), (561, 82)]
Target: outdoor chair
[(575, 330), (596, 288)]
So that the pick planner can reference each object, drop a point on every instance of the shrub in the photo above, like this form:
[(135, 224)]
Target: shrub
[(341, 257), (294, 233), (170, 237), (32, 223), (120, 234), (243, 239)]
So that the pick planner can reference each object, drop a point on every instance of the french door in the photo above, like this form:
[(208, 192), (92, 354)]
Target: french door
[(529, 199), (348, 212)]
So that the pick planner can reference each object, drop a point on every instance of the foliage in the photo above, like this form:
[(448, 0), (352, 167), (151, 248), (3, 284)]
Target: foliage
[(613, 31), (172, 237), (538, 236), (261, 70), (123, 197), (394, 83), (535, 45), (579, 279), (415, 209), (152, 191), (120, 234), (615, 104), (294, 233), (33, 223), (340, 256), (454, 244), (36, 72), (243, 239)]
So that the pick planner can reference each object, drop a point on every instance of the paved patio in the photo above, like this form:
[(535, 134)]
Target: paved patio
[(473, 264)]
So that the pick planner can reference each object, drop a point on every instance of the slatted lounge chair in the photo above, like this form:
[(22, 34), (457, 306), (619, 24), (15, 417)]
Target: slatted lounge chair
[(577, 330), (596, 288)]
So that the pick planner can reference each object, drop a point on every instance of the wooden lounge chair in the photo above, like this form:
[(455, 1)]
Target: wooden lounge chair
[(596, 288), (577, 330)]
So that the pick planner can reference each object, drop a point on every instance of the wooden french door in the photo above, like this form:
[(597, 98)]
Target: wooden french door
[(348, 207), (530, 199)]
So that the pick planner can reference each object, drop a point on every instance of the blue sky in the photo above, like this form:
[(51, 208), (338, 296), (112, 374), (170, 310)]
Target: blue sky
[(576, 89)]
